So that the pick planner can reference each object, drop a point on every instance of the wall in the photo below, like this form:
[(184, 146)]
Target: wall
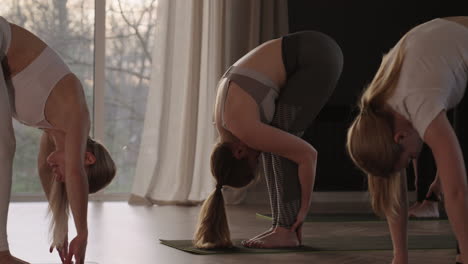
[(365, 30)]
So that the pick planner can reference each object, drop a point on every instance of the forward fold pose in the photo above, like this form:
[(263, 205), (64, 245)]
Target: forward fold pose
[(421, 78), (38, 89), (265, 102)]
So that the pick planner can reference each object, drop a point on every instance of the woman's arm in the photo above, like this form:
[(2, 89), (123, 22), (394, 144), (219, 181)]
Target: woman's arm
[(243, 121), (265, 138), (76, 133), (76, 128), (77, 183), (399, 226), (75, 176), (46, 147), (452, 174)]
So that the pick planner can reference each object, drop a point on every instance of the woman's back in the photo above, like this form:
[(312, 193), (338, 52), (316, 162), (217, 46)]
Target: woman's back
[(25, 47), (265, 65), (58, 93)]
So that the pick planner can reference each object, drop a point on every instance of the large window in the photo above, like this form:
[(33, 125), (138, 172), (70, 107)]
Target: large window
[(68, 26), (129, 30)]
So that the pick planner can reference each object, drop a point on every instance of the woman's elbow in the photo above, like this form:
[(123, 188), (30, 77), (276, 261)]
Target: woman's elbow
[(309, 155), (313, 152)]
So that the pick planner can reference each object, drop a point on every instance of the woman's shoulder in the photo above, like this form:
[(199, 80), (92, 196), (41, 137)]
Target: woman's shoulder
[(67, 99), (70, 91), (266, 59)]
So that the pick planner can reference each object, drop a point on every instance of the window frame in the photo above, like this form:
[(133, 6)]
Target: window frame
[(98, 117)]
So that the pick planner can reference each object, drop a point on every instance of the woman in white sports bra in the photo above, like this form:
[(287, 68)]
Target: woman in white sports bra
[(422, 77), (38, 89)]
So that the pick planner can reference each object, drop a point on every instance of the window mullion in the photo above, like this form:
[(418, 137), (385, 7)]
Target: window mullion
[(99, 69)]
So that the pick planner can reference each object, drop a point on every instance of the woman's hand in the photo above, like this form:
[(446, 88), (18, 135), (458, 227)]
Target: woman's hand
[(62, 250), (297, 227), (435, 189), (77, 249)]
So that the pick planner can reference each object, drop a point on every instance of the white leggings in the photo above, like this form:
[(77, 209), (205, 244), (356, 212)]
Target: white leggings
[(7, 152)]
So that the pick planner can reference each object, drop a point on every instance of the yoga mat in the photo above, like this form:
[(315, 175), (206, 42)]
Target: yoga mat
[(345, 243), (351, 218), (61, 263)]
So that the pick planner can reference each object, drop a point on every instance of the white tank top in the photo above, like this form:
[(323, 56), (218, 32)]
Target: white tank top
[(434, 73)]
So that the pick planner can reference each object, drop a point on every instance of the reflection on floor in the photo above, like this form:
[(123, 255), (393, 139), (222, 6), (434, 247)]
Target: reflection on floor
[(124, 234)]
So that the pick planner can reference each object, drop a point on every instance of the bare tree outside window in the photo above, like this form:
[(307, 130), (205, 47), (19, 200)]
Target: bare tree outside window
[(68, 27), (129, 37)]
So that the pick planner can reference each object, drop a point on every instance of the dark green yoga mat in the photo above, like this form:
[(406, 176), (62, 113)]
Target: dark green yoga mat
[(347, 243), (350, 218), (61, 263)]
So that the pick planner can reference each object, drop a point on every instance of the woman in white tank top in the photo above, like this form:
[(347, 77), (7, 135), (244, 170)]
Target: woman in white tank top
[(421, 78)]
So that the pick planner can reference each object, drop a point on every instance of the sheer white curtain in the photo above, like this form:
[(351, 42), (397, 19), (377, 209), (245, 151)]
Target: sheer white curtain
[(196, 41)]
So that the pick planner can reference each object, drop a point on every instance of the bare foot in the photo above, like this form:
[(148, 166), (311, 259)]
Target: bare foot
[(7, 258), (280, 238), (246, 242), (414, 206), (427, 209)]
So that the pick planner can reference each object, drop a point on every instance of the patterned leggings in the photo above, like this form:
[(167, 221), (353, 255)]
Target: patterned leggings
[(313, 62)]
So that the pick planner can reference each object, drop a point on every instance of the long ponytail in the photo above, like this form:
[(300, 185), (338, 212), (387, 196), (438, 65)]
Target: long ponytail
[(59, 212), (213, 229), (370, 142), (385, 194)]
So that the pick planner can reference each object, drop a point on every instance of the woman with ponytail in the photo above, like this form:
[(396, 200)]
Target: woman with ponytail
[(420, 79), (38, 89), (265, 102)]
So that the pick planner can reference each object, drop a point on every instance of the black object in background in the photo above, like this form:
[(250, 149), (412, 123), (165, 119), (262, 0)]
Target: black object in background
[(365, 30)]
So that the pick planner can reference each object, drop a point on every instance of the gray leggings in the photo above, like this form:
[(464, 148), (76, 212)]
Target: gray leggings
[(313, 63)]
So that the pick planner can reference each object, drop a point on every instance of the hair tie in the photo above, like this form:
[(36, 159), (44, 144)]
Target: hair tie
[(219, 186), (363, 111), (366, 108)]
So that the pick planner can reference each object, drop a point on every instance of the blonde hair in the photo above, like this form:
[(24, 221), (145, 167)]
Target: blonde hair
[(212, 229), (370, 142), (100, 174)]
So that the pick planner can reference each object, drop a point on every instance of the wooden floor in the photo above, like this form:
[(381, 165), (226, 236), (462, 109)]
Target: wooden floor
[(125, 234)]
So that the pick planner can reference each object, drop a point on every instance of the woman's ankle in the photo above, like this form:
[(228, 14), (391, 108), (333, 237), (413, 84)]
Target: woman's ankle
[(281, 229)]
